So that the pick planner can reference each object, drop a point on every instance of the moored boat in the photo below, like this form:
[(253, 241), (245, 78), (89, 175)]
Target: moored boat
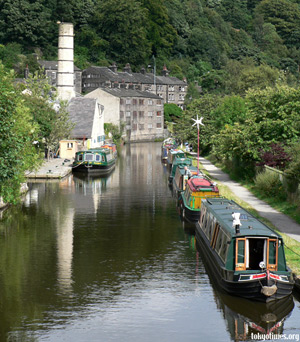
[(174, 153), (168, 144), (112, 147), (246, 256), (180, 179), (178, 162), (99, 160), (197, 188)]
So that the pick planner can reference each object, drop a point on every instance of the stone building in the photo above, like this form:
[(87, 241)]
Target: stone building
[(139, 113), (170, 89), (51, 69)]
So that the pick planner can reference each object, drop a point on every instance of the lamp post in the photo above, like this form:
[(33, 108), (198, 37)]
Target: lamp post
[(198, 122)]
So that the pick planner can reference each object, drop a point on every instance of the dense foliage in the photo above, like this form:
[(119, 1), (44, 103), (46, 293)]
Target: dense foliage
[(28, 125), (225, 45)]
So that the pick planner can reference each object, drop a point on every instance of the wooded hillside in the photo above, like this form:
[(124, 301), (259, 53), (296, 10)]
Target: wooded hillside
[(203, 40)]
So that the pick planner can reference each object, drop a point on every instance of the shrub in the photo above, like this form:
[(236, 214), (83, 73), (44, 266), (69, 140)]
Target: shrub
[(270, 184)]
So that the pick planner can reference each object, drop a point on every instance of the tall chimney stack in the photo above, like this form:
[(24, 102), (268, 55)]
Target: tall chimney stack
[(65, 73)]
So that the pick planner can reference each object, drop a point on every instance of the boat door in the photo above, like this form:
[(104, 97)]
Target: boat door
[(272, 253), (240, 254)]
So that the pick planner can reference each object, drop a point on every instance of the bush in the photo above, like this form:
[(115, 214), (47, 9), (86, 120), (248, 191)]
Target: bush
[(270, 185)]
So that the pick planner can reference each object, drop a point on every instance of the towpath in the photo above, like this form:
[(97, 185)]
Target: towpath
[(282, 222)]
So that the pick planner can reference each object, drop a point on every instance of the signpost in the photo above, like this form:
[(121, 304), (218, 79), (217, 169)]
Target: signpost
[(198, 122)]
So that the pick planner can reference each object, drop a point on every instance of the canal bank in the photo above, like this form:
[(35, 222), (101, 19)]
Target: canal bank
[(55, 168)]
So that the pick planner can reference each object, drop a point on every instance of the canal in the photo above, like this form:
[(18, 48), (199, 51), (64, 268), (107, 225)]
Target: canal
[(108, 259)]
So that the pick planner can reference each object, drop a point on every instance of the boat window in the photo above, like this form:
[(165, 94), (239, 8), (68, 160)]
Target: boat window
[(219, 241), (215, 235), (272, 254), (240, 253), (89, 157), (80, 157), (256, 253), (98, 157), (103, 158), (224, 249)]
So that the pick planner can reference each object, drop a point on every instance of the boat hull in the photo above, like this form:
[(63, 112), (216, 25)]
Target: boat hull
[(189, 215), (251, 289), (94, 169)]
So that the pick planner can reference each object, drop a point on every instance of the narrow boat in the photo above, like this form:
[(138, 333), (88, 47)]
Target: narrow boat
[(180, 179), (112, 147), (197, 188), (172, 154), (168, 144), (246, 256), (98, 160), (178, 162)]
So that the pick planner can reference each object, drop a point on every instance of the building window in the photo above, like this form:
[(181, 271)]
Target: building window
[(150, 114), (135, 114), (134, 101), (159, 101), (69, 145), (121, 101), (158, 113), (150, 102), (141, 101), (160, 95), (128, 114), (150, 125), (121, 114), (134, 127), (141, 114), (159, 88), (158, 125), (171, 88), (181, 97), (171, 97), (181, 88), (128, 101), (141, 127)]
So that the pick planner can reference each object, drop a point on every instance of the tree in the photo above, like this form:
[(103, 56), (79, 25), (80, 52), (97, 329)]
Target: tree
[(283, 14), (18, 131), (25, 22), (171, 111), (122, 24), (203, 107)]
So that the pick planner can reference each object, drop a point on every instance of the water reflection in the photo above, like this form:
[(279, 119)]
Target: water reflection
[(244, 317), (107, 259)]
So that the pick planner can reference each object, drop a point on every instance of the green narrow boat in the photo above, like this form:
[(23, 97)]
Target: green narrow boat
[(99, 161), (246, 256)]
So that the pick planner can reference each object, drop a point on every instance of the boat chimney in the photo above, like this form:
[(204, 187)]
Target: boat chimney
[(236, 223), (65, 72)]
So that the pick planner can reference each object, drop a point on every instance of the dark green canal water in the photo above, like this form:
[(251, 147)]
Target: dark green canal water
[(108, 259)]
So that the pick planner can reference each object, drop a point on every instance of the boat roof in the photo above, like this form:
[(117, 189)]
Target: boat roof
[(193, 169), (183, 161), (95, 150), (176, 151), (198, 183), (222, 209)]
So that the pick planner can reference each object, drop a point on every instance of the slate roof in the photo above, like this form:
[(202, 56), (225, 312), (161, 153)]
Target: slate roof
[(106, 74), (123, 92), (52, 65), (81, 111)]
